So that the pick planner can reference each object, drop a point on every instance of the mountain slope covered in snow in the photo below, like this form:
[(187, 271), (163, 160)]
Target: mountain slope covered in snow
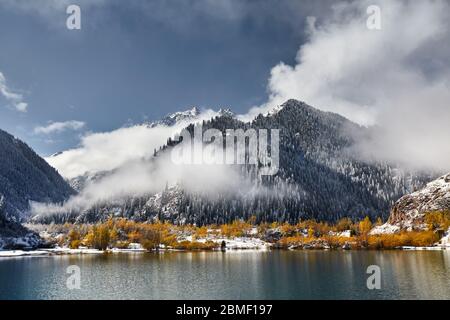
[(25, 177), (12, 234), (319, 177), (410, 210), (174, 118)]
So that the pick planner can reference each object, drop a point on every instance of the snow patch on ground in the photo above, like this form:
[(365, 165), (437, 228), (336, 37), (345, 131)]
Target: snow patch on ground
[(343, 234), (425, 248), (132, 248), (47, 252), (445, 241), (384, 229), (21, 253), (242, 243)]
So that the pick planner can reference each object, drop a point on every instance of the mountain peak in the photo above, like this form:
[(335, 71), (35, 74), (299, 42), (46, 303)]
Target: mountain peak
[(174, 118), (305, 112), (193, 112), (291, 103), (226, 112)]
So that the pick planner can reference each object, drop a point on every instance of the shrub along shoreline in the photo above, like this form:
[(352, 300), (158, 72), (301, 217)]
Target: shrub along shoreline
[(121, 233)]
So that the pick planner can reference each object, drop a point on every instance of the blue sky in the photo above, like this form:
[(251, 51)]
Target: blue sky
[(138, 60)]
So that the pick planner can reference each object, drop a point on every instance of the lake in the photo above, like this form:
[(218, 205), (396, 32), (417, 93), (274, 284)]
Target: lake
[(230, 275)]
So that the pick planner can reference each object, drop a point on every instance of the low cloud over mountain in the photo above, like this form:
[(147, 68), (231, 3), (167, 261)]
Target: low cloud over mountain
[(396, 79)]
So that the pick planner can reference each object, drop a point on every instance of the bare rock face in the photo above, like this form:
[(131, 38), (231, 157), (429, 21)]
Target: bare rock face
[(409, 211)]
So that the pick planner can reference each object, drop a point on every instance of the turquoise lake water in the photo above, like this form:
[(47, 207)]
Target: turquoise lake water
[(230, 275)]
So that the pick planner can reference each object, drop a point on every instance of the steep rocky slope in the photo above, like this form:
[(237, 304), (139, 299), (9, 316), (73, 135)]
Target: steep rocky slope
[(410, 210)]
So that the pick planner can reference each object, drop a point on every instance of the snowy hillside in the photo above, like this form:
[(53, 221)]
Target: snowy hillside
[(409, 211), (319, 177), (25, 177), (12, 234), (174, 118)]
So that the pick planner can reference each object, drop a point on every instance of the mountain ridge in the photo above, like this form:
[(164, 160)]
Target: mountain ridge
[(326, 181), (25, 177), (176, 117)]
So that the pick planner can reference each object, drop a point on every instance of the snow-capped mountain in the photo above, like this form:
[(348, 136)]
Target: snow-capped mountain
[(25, 177), (327, 179), (165, 203), (410, 210), (178, 117), (78, 183), (226, 112), (319, 176)]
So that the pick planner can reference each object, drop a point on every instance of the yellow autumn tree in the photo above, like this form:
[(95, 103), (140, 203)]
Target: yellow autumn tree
[(134, 236), (150, 237), (437, 220), (365, 226), (74, 238), (343, 224), (101, 237), (201, 232)]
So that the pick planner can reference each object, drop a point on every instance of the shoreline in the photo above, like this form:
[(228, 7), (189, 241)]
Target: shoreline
[(67, 251)]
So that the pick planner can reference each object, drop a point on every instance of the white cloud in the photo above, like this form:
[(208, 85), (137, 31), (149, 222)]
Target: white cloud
[(126, 154), (110, 150), (397, 78), (15, 99), (57, 127), (137, 178)]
